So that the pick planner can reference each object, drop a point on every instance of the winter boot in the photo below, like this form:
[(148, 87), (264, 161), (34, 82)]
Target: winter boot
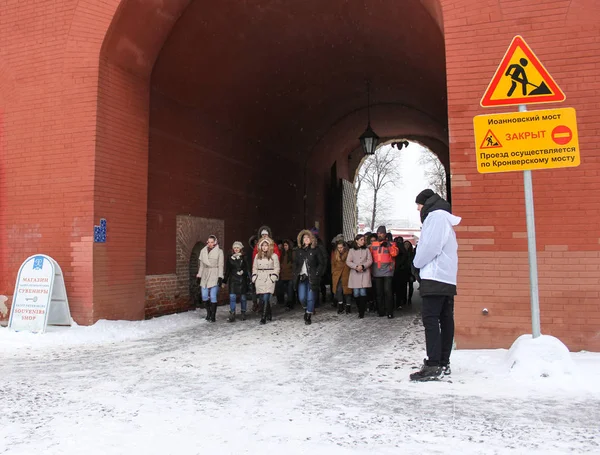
[(446, 369), (213, 312), (243, 315), (340, 307), (427, 373), (361, 302), (269, 312), (207, 306), (307, 319), (231, 316), (263, 319), (348, 305)]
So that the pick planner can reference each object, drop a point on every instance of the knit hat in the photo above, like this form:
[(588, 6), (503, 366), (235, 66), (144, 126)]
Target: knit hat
[(238, 244), (381, 230), (314, 231), (264, 232), (423, 196)]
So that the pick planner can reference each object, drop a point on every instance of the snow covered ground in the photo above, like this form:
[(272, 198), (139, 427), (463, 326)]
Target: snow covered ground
[(180, 385)]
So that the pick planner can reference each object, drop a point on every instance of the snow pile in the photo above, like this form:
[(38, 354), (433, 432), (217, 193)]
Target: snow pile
[(102, 332), (545, 356)]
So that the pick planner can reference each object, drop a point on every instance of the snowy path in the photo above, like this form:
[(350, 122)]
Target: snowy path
[(337, 387)]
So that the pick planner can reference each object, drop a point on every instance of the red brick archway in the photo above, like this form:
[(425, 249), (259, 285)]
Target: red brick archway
[(128, 107)]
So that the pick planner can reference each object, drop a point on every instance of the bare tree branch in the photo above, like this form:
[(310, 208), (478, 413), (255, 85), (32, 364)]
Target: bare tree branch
[(435, 172), (380, 171)]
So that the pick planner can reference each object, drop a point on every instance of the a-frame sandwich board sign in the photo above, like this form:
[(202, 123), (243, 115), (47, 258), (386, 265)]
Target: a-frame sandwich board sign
[(521, 79), (40, 297)]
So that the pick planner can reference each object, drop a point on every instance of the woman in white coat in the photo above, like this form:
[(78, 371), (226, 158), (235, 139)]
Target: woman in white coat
[(210, 272), (265, 273)]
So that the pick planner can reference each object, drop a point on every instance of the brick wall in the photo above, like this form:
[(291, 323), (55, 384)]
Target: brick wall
[(170, 293), (163, 296), (193, 171), (48, 84), (493, 246)]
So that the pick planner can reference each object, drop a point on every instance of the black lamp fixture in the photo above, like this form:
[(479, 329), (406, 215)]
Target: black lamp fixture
[(369, 139)]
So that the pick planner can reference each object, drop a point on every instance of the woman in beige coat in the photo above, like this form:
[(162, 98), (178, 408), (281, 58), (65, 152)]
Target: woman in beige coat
[(210, 272), (265, 273), (359, 260)]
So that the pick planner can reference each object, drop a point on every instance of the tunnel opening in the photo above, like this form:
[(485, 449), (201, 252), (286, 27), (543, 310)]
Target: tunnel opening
[(253, 109), (385, 185)]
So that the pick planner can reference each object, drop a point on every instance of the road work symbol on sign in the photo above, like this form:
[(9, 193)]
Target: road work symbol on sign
[(530, 140), (521, 79), (490, 141)]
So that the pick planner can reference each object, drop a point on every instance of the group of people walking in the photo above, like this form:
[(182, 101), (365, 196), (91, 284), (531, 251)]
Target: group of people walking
[(374, 270)]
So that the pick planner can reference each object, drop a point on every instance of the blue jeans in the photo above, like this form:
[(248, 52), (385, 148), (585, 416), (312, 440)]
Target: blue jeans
[(233, 301), (265, 297), (213, 294), (306, 296), (362, 292)]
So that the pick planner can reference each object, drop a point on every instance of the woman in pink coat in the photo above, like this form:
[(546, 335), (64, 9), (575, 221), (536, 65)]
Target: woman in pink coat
[(359, 260)]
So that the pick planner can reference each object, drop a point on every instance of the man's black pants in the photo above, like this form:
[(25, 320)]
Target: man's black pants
[(383, 289), (438, 320)]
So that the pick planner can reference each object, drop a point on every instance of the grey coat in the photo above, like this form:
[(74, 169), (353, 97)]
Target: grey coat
[(356, 257)]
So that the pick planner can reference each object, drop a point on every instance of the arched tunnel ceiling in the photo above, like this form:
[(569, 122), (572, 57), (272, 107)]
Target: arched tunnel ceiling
[(289, 70)]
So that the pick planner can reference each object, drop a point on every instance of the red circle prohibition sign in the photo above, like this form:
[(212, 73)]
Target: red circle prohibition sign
[(562, 134)]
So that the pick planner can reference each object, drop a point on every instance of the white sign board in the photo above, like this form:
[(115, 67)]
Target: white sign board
[(40, 296)]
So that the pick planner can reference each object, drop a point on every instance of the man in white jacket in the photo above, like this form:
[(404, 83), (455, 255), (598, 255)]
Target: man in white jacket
[(437, 259)]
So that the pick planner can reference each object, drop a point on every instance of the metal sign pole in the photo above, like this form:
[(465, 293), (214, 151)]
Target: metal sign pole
[(532, 250)]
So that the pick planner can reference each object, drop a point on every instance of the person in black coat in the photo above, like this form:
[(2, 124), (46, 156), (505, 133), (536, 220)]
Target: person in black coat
[(325, 277), (402, 272), (411, 277), (236, 277), (252, 241), (309, 266)]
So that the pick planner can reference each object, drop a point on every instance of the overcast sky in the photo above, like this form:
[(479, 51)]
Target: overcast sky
[(401, 207)]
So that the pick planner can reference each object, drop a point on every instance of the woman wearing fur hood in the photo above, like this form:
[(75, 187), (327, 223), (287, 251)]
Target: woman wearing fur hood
[(265, 273), (309, 266), (265, 232), (210, 272)]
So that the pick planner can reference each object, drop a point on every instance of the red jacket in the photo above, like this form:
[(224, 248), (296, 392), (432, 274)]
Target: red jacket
[(383, 258)]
